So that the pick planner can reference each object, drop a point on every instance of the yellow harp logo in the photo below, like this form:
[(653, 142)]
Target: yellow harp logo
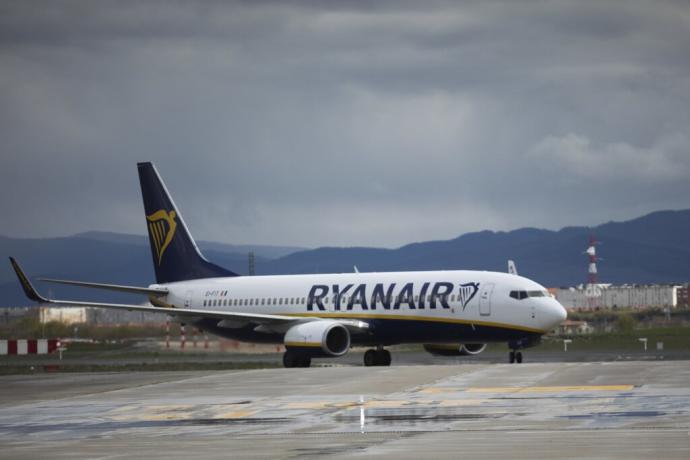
[(162, 227)]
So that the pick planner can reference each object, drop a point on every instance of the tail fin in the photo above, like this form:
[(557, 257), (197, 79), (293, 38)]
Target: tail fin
[(176, 256)]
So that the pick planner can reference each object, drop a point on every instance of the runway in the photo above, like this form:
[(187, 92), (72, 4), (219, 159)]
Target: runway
[(535, 410)]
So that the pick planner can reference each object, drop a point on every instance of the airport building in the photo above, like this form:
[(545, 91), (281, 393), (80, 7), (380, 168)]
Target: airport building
[(608, 296), (104, 316)]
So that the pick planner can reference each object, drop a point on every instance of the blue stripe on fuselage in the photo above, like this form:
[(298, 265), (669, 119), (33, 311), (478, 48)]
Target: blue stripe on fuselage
[(390, 332)]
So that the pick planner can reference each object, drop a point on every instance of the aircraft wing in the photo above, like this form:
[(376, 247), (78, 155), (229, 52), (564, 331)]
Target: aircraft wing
[(235, 318), (111, 287)]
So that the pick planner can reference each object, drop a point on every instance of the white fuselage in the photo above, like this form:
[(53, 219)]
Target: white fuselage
[(403, 307)]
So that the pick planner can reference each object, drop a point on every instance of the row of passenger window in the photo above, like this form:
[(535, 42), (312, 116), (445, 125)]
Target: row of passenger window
[(263, 301), (519, 295), (302, 300)]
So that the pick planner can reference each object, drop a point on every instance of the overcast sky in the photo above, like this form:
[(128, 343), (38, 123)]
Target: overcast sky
[(343, 123)]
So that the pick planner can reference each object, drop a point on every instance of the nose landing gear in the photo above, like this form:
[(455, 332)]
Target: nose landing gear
[(515, 357)]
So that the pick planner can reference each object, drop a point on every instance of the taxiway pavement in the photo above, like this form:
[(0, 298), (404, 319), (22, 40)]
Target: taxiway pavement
[(536, 410)]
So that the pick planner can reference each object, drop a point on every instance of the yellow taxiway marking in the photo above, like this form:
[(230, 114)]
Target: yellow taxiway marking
[(235, 414), (388, 404), (347, 404), (551, 389)]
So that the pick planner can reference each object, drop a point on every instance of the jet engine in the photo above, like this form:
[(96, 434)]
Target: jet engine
[(318, 338), (454, 349)]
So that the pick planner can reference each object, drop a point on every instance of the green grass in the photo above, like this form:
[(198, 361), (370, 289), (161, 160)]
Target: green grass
[(673, 338)]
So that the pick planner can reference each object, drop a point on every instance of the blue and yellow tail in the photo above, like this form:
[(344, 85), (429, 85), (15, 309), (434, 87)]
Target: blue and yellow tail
[(176, 256)]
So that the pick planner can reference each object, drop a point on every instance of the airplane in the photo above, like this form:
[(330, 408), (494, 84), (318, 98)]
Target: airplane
[(451, 313)]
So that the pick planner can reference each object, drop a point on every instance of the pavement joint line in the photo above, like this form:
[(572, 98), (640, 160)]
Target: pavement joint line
[(550, 389), (642, 429)]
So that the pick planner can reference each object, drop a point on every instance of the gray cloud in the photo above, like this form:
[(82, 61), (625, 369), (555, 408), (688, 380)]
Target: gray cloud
[(355, 123)]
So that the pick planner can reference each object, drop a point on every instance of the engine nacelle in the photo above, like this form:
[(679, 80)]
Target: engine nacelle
[(472, 348), (454, 349), (318, 338)]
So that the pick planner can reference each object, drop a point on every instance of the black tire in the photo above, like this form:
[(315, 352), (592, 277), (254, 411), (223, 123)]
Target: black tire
[(518, 357), (383, 358), (511, 357), (290, 359), (305, 361), (370, 358)]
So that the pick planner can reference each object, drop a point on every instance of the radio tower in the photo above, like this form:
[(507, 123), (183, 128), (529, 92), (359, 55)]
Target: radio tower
[(592, 291)]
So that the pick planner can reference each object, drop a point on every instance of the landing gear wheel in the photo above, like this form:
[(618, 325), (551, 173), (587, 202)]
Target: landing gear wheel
[(383, 357), (370, 358), (518, 357), (378, 357), (511, 357), (290, 359), (293, 359)]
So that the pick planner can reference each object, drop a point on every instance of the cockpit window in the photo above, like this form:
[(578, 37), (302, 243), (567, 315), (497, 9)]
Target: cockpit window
[(519, 295)]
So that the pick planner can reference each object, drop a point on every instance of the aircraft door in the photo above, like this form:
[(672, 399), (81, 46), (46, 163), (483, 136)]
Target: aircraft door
[(188, 299), (485, 299)]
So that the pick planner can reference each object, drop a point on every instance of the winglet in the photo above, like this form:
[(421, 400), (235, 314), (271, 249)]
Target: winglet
[(29, 290)]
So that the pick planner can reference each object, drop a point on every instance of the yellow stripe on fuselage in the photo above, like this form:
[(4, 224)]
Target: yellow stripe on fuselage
[(303, 344)]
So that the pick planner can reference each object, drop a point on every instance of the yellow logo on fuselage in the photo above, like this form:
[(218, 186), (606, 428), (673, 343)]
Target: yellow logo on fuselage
[(162, 227)]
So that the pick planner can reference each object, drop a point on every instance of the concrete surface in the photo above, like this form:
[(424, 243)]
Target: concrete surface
[(536, 410)]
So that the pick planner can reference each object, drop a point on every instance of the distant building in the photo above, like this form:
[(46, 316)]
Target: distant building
[(570, 327), (683, 296), (64, 315), (76, 315), (624, 296)]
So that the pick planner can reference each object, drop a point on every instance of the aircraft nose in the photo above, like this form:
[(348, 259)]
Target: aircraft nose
[(560, 313)]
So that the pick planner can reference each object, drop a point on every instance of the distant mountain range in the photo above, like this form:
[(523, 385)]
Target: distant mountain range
[(651, 249)]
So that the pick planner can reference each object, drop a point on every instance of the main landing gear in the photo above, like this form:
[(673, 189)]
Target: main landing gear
[(378, 357), (515, 357), (293, 359)]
